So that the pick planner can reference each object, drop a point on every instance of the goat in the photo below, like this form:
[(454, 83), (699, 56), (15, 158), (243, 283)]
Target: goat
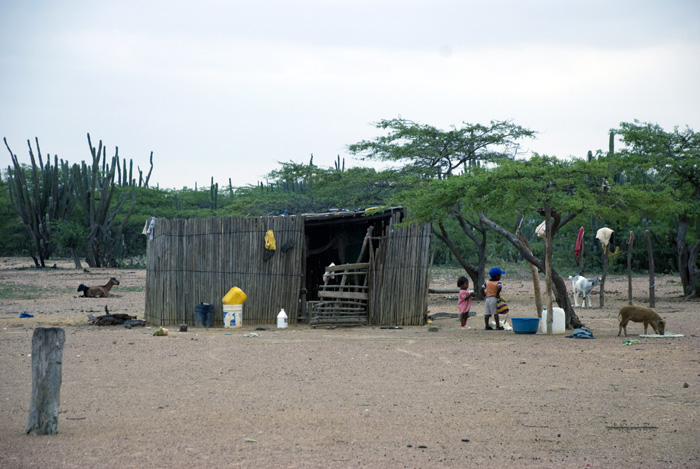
[(582, 285), (641, 314), (101, 291)]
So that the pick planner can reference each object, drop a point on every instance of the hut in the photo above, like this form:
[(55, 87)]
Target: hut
[(334, 268)]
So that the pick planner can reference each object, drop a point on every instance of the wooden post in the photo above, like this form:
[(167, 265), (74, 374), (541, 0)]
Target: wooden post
[(652, 283), (47, 357), (630, 244), (548, 266), (367, 242), (606, 259), (535, 278)]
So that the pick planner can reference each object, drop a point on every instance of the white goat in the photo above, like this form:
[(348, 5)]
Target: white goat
[(582, 285)]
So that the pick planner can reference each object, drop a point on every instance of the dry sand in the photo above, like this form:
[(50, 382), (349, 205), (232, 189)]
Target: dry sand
[(354, 397)]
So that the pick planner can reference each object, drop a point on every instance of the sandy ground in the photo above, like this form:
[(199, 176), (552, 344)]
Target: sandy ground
[(354, 397)]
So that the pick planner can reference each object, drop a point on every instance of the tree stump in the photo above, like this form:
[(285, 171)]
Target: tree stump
[(47, 358)]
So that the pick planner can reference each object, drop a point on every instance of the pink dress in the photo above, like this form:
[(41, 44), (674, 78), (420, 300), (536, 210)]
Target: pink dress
[(465, 301)]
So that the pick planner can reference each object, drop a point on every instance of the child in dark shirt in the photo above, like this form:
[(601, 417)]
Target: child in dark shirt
[(491, 291)]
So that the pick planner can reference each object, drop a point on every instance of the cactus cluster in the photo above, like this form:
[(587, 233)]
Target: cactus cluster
[(47, 193)]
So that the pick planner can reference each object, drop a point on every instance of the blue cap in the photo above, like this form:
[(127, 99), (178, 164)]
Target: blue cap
[(496, 271)]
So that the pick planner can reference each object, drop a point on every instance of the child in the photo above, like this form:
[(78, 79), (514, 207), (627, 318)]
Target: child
[(465, 300), (491, 291)]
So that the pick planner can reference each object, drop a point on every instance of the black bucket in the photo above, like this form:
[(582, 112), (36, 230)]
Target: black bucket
[(204, 315)]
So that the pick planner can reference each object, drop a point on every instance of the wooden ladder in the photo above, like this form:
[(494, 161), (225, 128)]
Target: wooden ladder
[(343, 297)]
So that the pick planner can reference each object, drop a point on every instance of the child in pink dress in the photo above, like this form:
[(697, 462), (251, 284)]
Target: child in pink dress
[(465, 300)]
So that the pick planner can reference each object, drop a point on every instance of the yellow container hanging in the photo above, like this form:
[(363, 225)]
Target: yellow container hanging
[(270, 241), (235, 296)]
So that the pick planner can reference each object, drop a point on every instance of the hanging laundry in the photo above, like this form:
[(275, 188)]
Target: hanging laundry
[(149, 227), (540, 230), (603, 235)]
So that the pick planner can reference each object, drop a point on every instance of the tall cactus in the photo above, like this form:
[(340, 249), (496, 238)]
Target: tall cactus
[(213, 194), (38, 202), (338, 166), (94, 189)]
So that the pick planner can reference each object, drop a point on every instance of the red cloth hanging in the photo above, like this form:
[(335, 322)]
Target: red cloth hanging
[(579, 243)]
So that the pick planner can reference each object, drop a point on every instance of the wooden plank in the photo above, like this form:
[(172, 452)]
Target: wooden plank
[(362, 266), (340, 308), (360, 320), (344, 295), (344, 288)]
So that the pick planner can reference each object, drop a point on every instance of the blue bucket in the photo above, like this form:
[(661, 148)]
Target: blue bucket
[(204, 315), (525, 325)]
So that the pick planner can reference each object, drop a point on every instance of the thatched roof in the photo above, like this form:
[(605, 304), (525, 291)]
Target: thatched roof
[(352, 216)]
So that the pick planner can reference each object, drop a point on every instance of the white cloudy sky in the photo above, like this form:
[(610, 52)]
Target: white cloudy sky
[(230, 88)]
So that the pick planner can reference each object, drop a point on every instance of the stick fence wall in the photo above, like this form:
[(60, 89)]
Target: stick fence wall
[(399, 277), (196, 261)]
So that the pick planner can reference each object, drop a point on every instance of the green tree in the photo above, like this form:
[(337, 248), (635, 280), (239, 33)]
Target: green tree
[(556, 189), (428, 151), (668, 161), (70, 235), (441, 203), (13, 235), (297, 188), (436, 156)]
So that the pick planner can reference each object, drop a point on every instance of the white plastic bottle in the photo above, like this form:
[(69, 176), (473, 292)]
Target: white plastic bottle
[(282, 320), (558, 321)]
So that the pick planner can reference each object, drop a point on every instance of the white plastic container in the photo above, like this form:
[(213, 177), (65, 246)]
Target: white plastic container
[(233, 315), (282, 320), (558, 322)]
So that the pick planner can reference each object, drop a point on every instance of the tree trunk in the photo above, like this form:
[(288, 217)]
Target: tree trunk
[(559, 285), (562, 297), (682, 252), (630, 244), (693, 272), (475, 273), (652, 282), (47, 357), (76, 259)]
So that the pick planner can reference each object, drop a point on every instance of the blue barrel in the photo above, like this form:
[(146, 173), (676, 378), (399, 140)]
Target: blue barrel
[(204, 315)]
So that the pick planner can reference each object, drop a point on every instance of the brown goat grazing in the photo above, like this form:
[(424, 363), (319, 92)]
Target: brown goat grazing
[(641, 314), (101, 291)]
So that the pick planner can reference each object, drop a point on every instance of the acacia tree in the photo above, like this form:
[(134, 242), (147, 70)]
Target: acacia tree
[(559, 190), (431, 155), (438, 200), (428, 151), (670, 160)]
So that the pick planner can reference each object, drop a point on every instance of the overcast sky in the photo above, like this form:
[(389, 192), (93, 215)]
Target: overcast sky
[(230, 88)]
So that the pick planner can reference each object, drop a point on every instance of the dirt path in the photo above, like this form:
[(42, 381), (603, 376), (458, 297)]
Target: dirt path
[(356, 397)]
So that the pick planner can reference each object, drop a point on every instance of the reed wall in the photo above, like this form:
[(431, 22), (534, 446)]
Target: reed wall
[(399, 277), (196, 261)]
